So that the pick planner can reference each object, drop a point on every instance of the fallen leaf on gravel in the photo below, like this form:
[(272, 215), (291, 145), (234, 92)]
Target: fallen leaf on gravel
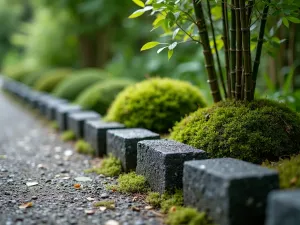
[(294, 180), (148, 207), (77, 186), (26, 205), (136, 209), (134, 199), (83, 179), (29, 184), (112, 222), (89, 211), (102, 208), (90, 199)]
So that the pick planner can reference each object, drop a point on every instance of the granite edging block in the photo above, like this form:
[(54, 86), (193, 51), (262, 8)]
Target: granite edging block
[(122, 143)]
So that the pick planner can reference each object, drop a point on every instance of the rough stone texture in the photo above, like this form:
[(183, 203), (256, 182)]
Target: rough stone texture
[(95, 134), (32, 152), (76, 121), (62, 113), (283, 208), (52, 106), (33, 98), (161, 162), (42, 101), (233, 192), (122, 143)]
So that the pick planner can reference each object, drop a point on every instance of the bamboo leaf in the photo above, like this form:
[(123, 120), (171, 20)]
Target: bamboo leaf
[(288, 82), (139, 3), (173, 45), (175, 33), (170, 53), (293, 19), (137, 13), (148, 2), (149, 45), (285, 22), (161, 49)]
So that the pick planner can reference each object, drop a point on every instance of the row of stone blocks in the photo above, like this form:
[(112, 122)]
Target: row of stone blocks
[(229, 190)]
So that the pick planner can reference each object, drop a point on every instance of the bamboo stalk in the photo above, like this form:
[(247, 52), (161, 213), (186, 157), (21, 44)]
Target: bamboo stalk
[(259, 46), (216, 49), (226, 44), (250, 10), (233, 49), (239, 59), (246, 49), (209, 61)]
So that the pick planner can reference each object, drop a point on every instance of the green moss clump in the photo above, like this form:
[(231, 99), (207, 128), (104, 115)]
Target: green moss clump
[(31, 79), (155, 104), (83, 147), (154, 199), (54, 125), (289, 172), (68, 135), (98, 97), (187, 216), (110, 166), (256, 131), (50, 80), (108, 204), (18, 71), (131, 183), (79, 81), (165, 201)]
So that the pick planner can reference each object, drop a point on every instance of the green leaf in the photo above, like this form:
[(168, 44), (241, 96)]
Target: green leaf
[(161, 49), (139, 3), (148, 2), (175, 33), (285, 22), (173, 45), (149, 45), (293, 19), (137, 13), (170, 53)]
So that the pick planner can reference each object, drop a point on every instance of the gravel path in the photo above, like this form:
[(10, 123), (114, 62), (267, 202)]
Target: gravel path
[(31, 152)]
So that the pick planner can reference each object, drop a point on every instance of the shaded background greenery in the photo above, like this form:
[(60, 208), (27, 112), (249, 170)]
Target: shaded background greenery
[(42, 34)]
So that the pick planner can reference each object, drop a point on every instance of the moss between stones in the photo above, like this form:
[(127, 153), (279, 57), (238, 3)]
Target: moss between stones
[(155, 104), (256, 131), (68, 135), (289, 171), (83, 147), (187, 216), (98, 97), (54, 125), (165, 201), (108, 204), (79, 81), (130, 183), (49, 81), (31, 79), (110, 166)]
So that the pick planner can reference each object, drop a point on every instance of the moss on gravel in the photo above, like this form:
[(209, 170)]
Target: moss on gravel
[(68, 135), (289, 171), (187, 216), (155, 104), (256, 131), (109, 204), (83, 147), (110, 166), (54, 125), (130, 183)]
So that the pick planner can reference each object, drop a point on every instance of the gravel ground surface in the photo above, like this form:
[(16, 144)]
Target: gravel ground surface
[(30, 152)]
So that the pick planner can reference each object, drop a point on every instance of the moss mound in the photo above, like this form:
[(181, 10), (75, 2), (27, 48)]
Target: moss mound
[(131, 183), (68, 135), (289, 172), (51, 79), (99, 96), (155, 104), (33, 77), (71, 87), (187, 216), (110, 166), (83, 147), (17, 72), (253, 132)]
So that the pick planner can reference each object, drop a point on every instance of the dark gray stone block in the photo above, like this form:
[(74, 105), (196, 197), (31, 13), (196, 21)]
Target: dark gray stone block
[(233, 192), (51, 107), (42, 101), (122, 143), (283, 208), (62, 113), (161, 162), (76, 121), (95, 134), (33, 98)]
